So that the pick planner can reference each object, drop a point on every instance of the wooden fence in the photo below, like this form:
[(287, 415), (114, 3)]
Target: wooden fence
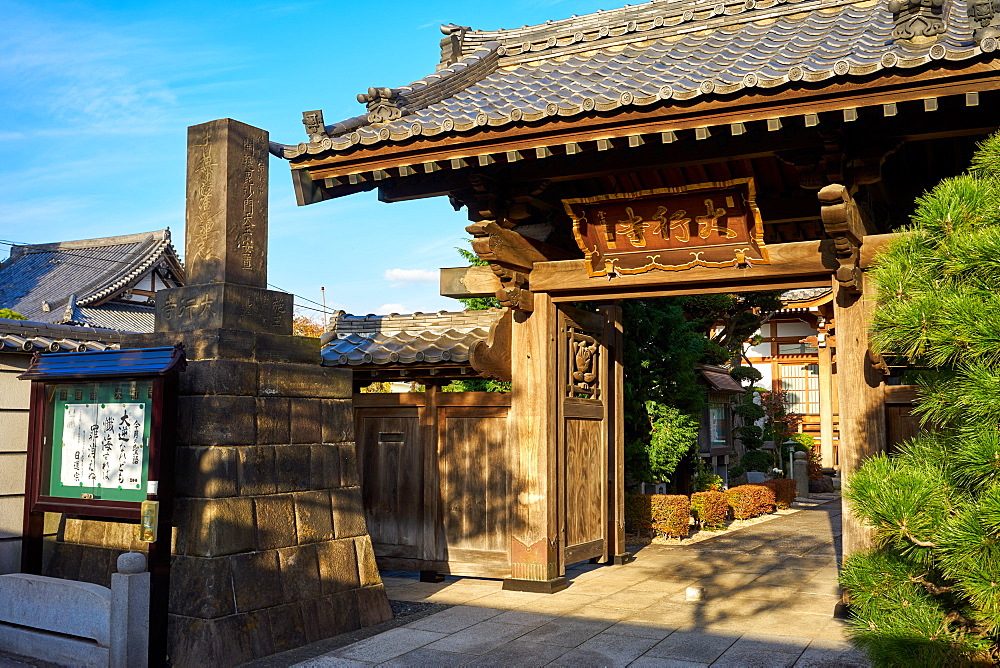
[(437, 480)]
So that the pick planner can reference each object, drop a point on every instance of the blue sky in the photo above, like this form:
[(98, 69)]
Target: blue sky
[(95, 99)]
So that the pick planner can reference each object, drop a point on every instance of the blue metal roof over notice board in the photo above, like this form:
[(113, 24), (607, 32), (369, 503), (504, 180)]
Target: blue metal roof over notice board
[(133, 362)]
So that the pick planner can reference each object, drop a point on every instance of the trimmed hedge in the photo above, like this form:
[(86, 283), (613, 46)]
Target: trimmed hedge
[(784, 490), (710, 508), (662, 514), (750, 501)]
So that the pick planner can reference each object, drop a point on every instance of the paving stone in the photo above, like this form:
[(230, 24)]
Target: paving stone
[(641, 629), (647, 661), (387, 645), (524, 618), (692, 646), (567, 632), (520, 653), (824, 658), (331, 662), (454, 619), (606, 649), (430, 658), (479, 638), (750, 658)]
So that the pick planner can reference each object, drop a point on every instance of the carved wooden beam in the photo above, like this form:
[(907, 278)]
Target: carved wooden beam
[(467, 282), (491, 358), (511, 257), (843, 221)]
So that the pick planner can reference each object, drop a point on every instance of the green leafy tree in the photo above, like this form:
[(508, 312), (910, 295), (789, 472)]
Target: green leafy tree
[(928, 594), (664, 340), (11, 314)]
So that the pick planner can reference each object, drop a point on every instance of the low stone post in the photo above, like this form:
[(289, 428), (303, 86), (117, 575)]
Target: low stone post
[(800, 466), (130, 612)]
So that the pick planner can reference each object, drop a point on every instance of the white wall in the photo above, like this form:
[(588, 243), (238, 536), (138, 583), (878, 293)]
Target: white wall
[(14, 395)]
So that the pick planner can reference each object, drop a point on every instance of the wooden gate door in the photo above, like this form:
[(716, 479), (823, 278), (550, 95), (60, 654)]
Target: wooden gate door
[(583, 435), (389, 462)]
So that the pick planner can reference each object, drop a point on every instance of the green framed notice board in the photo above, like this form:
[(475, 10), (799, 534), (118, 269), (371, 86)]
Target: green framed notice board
[(99, 447)]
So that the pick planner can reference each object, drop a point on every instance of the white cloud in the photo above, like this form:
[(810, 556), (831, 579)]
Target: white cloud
[(386, 309), (411, 275)]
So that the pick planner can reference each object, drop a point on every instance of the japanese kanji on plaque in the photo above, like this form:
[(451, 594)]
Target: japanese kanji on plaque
[(704, 225), (103, 446)]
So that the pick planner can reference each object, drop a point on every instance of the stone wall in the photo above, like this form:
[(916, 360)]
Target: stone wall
[(270, 550)]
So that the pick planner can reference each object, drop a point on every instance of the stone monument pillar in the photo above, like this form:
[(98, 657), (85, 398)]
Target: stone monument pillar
[(271, 549)]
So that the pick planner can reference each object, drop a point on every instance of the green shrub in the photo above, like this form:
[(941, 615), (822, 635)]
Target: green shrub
[(710, 509), (784, 491), (11, 314), (660, 514), (750, 501), (757, 460)]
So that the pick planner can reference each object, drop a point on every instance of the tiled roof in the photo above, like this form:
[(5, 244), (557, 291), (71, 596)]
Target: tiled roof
[(119, 316), (719, 379), (652, 54), (70, 281), (420, 338), (27, 336)]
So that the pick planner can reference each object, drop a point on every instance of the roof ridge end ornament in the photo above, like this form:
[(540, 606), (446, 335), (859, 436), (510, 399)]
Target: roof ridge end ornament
[(453, 44), (384, 104), (985, 17), (917, 18)]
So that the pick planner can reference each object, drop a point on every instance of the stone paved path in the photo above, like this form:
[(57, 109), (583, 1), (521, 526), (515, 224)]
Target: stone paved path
[(769, 595)]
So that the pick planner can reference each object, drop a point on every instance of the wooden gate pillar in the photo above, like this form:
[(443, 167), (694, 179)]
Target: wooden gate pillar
[(859, 383), (532, 424), (862, 402)]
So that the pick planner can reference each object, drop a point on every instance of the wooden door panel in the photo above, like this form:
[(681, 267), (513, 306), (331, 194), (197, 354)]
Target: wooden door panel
[(391, 471), (585, 486), (475, 482)]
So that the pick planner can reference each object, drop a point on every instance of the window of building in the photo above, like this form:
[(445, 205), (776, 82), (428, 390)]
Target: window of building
[(801, 382), (718, 427), (797, 349)]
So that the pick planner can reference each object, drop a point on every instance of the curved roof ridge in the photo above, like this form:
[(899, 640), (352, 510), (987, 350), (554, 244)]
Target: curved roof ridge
[(122, 239), (145, 257)]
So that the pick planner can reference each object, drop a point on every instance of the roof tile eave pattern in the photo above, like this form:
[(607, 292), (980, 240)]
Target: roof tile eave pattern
[(439, 338), (667, 52)]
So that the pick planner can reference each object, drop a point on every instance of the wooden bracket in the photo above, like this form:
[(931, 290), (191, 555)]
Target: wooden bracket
[(511, 256), (491, 358), (843, 221)]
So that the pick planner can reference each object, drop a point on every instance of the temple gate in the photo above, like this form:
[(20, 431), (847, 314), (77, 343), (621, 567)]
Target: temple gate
[(827, 117)]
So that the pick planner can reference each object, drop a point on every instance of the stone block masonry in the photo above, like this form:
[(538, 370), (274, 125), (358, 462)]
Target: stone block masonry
[(270, 546)]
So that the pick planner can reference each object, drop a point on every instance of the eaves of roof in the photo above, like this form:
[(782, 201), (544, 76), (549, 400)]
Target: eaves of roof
[(25, 336), (417, 339), (651, 56)]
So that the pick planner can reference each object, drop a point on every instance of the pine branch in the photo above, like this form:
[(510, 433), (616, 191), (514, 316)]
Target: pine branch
[(930, 586)]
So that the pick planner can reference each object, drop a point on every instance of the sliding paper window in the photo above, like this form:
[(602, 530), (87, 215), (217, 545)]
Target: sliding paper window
[(801, 382)]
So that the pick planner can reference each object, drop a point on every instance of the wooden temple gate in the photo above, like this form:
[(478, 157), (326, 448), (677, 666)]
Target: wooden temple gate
[(654, 151)]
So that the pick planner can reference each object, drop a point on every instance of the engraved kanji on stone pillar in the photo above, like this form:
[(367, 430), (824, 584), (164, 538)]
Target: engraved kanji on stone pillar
[(226, 237)]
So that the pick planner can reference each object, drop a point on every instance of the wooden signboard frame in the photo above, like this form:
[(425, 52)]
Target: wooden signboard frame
[(153, 369)]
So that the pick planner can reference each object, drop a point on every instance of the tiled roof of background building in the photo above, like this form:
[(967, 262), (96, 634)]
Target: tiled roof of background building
[(29, 337), (420, 338), (68, 282), (651, 54)]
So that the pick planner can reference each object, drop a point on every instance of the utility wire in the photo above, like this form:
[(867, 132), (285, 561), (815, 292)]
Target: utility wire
[(324, 310)]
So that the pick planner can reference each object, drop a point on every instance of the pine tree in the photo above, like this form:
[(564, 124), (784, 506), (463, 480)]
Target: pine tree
[(928, 593)]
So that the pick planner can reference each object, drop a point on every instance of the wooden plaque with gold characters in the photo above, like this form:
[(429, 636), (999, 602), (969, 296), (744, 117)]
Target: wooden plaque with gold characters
[(704, 225)]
